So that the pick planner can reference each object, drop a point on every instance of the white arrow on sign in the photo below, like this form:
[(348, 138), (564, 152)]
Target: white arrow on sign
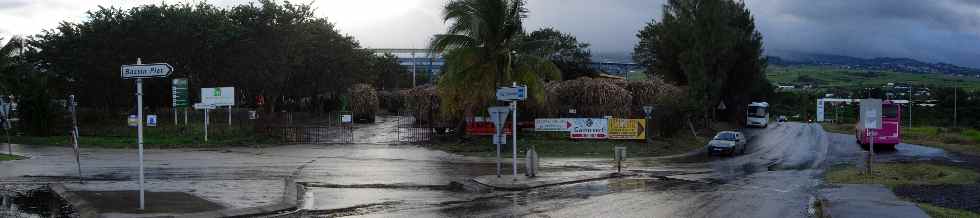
[(136, 71), (202, 106)]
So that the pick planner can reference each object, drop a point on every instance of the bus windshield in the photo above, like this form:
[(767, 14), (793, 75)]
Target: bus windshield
[(757, 111), (889, 111)]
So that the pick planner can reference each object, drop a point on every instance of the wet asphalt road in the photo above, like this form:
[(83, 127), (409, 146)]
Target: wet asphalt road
[(776, 178)]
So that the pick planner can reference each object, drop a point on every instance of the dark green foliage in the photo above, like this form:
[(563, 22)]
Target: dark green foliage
[(710, 46), (563, 49), (277, 50)]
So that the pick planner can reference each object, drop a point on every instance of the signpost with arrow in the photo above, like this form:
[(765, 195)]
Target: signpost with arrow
[(140, 71)]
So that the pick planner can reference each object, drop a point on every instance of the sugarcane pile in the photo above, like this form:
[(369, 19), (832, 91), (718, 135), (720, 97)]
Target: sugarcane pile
[(391, 101), (363, 102), (592, 97), (652, 92), (422, 102)]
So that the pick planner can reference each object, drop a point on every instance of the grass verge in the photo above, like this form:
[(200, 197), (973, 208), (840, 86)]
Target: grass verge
[(558, 145), (6, 157), (159, 137), (893, 175), (942, 212), (965, 141)]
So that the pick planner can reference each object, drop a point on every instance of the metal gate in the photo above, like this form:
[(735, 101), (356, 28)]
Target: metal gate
[(329, 128), (413, 130)]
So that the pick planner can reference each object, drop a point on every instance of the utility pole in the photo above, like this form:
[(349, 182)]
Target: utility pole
[(910, 104)]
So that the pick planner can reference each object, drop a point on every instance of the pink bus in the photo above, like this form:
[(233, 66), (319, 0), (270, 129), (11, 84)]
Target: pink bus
[(889, 134)]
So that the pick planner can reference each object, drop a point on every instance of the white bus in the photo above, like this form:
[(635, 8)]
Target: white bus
[(757, 115)]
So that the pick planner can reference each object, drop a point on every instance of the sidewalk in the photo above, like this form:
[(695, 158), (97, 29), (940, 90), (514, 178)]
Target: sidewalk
[(181, 198), (508, 182), (865, 201)]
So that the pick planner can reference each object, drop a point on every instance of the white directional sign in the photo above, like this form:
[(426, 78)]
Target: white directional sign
[(136, 71), (202, 106), (648, 110), (516, 93)]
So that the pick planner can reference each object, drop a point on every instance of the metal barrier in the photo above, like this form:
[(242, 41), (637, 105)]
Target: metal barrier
[(341, 134), (413, 131)]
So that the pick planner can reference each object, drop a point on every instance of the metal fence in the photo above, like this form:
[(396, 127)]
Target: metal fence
[(311, 128)]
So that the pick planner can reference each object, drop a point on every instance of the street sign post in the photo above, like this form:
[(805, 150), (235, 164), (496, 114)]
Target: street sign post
[(648, 110), (139, 71), (499, 117), (870, 121), (513, 94), (180, 97), (5, 123), (72, 107), (207, 108)]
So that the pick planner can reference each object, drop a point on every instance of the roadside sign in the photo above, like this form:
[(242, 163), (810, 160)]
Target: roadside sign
[(151, 120), (590, 128), (499, 139), (179, 93), (137, 71), (870, 114), (133, 121), (820, 110), (346, 118), (514, 93), (499, 117), (252, 115), (219, 96), (627, 129), (648, 110), (553, 125), (202, 106)]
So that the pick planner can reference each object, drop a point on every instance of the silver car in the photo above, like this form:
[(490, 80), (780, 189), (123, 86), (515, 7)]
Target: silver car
[(727, 142)]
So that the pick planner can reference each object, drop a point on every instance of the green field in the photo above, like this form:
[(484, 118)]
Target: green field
[(827, 77), (6, 157)]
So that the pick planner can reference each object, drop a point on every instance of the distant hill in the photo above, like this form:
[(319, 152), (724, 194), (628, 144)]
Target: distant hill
[(905, 65)]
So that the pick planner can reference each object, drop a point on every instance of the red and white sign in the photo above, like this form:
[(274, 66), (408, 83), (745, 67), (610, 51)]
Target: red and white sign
[(590, 128), (553, 125)]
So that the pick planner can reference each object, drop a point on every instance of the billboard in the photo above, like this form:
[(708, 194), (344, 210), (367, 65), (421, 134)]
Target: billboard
[(627, 128), (220, 96), (553, 125), (590, 128)]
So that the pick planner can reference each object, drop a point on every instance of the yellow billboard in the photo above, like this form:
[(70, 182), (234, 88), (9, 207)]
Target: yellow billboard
[(627, 128)]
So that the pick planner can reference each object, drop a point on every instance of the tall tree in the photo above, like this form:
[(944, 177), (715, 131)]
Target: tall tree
[(564, 50), (712, 47), (481, 47)]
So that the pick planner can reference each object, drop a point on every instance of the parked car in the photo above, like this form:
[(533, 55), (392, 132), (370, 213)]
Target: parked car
[(781, 119), (727, 142)]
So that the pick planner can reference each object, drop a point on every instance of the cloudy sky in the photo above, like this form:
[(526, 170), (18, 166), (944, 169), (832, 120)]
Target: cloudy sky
[(929, 30)]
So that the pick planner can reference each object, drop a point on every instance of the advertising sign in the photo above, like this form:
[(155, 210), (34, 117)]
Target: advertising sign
[(590, 128), (179, 93), (220, 96), (627, 129), (346, 118), (553, 125)]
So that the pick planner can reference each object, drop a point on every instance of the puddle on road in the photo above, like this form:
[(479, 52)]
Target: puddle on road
[(32, 201)]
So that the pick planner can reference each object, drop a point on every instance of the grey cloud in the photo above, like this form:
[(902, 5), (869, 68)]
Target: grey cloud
[(13, 4)]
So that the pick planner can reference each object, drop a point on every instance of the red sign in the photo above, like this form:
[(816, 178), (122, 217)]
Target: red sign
[(484, 128)]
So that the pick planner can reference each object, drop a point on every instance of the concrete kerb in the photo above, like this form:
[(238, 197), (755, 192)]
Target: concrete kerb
[(291, 196), (85, 209), (504, 184)]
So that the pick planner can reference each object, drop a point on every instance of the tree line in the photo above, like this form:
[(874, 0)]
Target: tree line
[(277, 50)]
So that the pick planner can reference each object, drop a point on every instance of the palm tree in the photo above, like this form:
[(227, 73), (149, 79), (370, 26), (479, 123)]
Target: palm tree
[(481, 48)]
